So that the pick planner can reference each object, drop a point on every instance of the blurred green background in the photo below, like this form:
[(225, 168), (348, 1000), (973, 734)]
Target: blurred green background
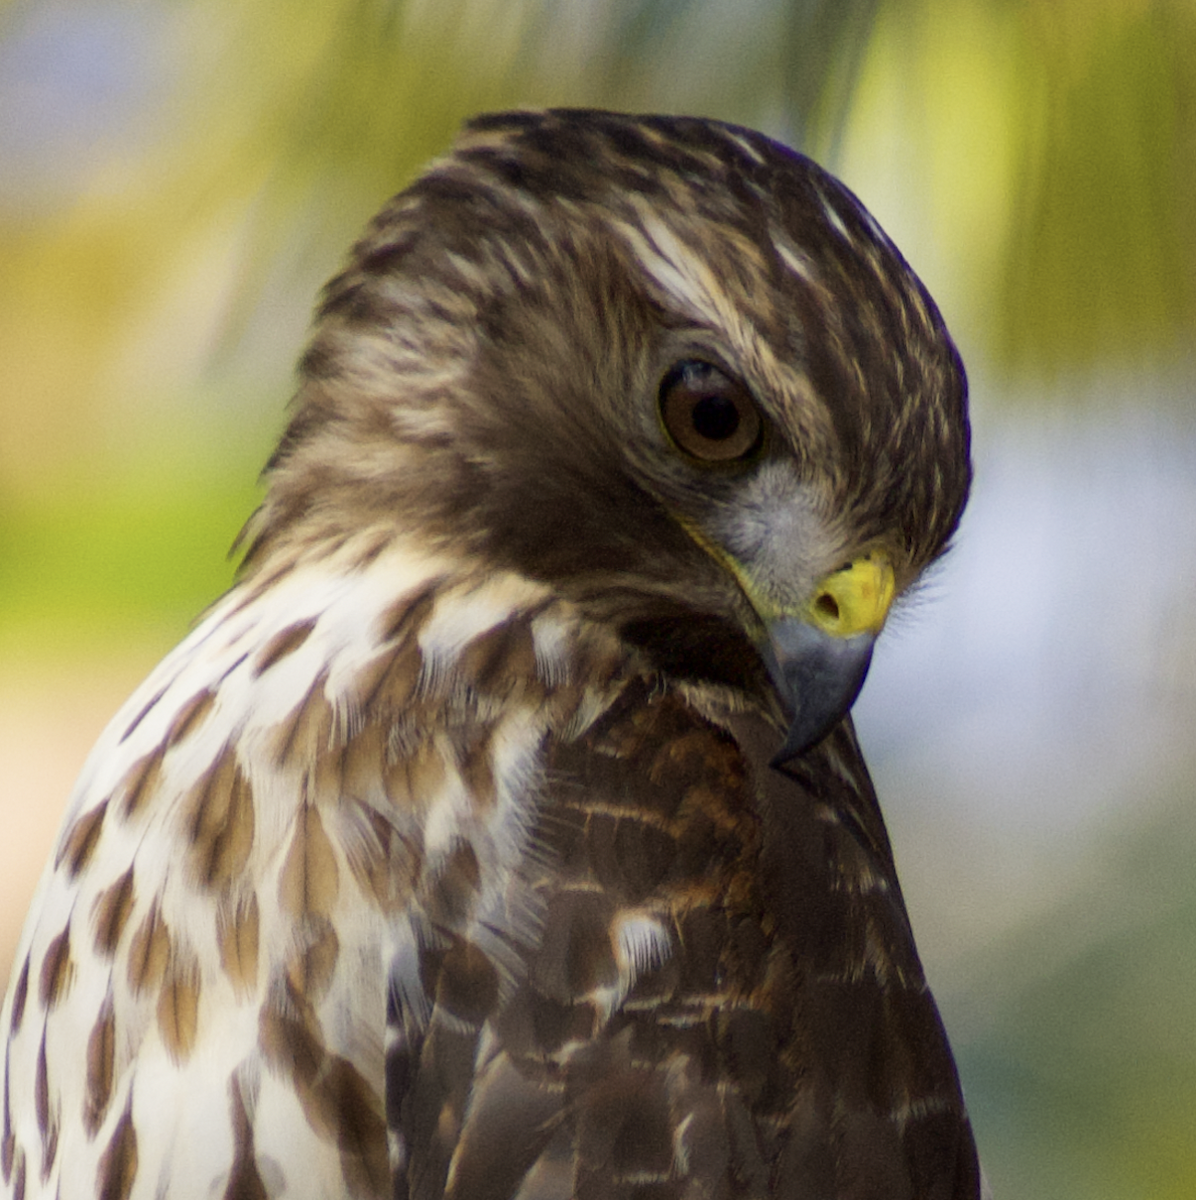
[(178, 177)]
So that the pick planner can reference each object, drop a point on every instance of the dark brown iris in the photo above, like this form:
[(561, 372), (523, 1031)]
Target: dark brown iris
[(708, 414)]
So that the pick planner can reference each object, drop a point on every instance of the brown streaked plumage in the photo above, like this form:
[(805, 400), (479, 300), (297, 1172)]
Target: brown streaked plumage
[(452, 854)]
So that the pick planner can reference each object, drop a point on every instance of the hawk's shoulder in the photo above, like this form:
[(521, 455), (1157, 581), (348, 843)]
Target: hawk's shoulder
[(326, 784)]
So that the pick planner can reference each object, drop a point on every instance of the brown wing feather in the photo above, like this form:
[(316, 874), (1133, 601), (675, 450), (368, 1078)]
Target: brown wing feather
[(785, 1045)]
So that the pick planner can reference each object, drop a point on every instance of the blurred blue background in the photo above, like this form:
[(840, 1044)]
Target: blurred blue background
[(178, 177)]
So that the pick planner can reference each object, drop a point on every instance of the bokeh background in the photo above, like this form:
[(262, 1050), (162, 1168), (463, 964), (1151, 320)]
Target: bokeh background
[(178, 177)]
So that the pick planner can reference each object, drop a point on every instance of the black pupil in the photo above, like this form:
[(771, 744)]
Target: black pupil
[(715, 418)]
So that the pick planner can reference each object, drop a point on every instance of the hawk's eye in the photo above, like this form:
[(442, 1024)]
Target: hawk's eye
[(707, 414)]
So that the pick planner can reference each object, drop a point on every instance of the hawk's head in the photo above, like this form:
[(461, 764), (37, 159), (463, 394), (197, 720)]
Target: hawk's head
[(665, 365)]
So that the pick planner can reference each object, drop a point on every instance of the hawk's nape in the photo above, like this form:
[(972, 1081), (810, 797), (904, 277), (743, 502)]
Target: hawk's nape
[(445, 857)]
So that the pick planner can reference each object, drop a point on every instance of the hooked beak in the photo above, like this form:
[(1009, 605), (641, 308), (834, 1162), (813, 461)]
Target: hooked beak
[(818, 660), (818, 677)]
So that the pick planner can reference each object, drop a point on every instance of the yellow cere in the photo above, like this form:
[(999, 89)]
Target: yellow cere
[(855, 599)]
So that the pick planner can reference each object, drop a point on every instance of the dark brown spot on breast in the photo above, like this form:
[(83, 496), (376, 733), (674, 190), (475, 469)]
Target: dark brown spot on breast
[(47, 1114), (20, 992), (178, 1010), (118, 1164), (309, 881), (338, 1102), (79, 843), (220, 822), (351, 1110), (413, 779), (140, 784), (8, 1142), (101, 1054), (405, 618), (50, 1152), (306, 733), (57, 970), (244, 1181), (388, 684), (41, 1092), (310, 970), (382, 862), (112, 908), (502, 658), (149, 952), (149, 706), (283, 643), (190, 716), (290, 1037), (356, 770), (237, 935)]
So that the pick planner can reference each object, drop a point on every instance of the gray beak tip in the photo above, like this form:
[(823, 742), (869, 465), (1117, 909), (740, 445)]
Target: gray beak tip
[(818, 677)]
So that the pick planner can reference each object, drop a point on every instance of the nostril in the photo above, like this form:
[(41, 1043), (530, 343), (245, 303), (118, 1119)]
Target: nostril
[(827, 606)]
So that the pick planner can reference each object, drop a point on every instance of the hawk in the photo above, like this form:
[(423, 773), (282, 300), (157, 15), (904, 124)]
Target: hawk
[(502, 834)]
